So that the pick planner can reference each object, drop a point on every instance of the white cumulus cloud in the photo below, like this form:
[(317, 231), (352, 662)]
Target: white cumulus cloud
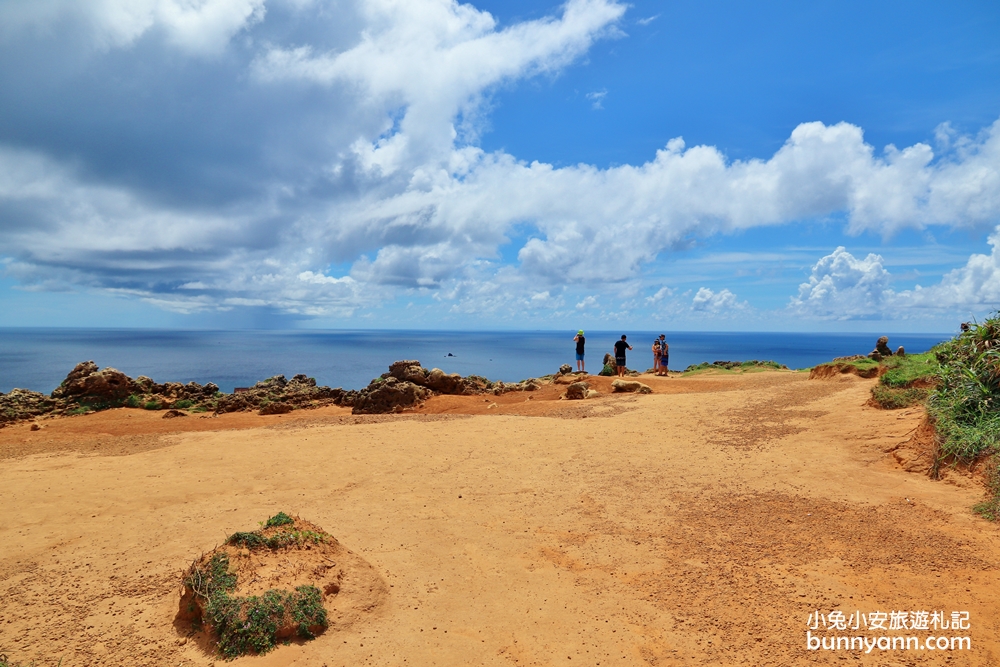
[(844, 287), (199, 26), (977, 284), (721, 302), (327, 167)]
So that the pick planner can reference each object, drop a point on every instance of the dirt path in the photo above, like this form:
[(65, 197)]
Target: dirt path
[(698, 525)]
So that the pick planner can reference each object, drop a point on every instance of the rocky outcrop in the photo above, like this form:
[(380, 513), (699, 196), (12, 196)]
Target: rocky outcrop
[(577, 391), (631, 386), (21, 404), (299, 392), (276, 408), (389, 395), (87, 388), (881, 350), (565, 369), (85, 384)]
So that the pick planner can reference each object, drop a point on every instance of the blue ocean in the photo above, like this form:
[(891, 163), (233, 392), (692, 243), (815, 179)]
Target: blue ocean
[(38, 359)]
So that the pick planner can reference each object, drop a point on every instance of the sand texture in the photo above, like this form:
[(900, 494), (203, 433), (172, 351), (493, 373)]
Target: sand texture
[(700, 524)]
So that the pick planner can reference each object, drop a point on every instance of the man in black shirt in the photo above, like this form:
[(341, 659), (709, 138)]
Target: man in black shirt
[(580, 342), (620, 348)]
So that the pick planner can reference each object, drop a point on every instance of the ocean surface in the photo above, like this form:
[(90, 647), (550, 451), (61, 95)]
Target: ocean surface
[(39, 359)]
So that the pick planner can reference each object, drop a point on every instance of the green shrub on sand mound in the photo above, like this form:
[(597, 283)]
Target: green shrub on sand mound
[(256, 621)]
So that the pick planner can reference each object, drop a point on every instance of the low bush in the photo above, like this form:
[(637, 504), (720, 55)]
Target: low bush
[(183, 404)]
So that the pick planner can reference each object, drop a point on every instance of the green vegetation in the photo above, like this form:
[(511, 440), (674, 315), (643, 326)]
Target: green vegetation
[(906, 381), (279, 519), (183, 404), (741, 366), (965, 406), (904, 371), (133, 401), (152, 405), (257, 540), (890, 398), (251, 624), (7, 662)]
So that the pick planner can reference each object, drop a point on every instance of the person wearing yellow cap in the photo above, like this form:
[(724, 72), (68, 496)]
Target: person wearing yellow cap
[(580, 342)]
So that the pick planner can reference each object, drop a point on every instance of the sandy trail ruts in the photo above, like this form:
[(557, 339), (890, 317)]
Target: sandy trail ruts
[(697, 525)]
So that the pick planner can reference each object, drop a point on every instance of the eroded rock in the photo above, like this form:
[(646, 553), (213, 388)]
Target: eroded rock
[(631, 386)]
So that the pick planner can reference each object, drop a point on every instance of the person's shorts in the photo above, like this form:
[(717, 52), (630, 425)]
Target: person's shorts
[(579, 356), (663, 359), (619, 361)]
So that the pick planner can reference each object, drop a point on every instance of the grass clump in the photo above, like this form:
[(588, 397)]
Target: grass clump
[(906, 380), (133, 401), (280, 519), (890, 398), (966, 405), (905, 370), (750, 365), (273, 536), (183, 404), (152, 405), (251, 624), (7, 662)]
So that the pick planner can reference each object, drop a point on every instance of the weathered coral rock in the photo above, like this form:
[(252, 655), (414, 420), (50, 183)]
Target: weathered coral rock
[(446, 383), (881, 349), (565, 368), (170, 414), (276, 408), (22, 404), (631, 386), (900, 352), (577, 391), (86, 384), (389, 395), (299, 392)]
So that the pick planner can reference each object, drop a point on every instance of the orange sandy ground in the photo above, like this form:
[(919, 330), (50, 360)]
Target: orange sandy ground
[(697, 525)]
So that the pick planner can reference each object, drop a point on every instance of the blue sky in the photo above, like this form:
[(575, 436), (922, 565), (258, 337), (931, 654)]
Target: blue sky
[(427, 164)]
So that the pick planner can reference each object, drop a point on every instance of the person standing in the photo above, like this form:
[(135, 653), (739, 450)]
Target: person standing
[(580, 342), (620, 348), (664, 356), (656, 356)]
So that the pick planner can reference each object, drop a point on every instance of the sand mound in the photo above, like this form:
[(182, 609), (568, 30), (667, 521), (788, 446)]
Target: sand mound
[(289, 579)]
